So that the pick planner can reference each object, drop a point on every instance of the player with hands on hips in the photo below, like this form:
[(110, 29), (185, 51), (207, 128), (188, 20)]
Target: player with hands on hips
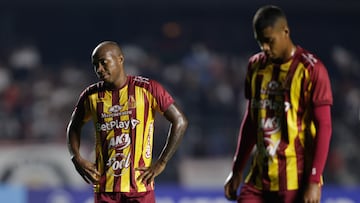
[(122, 109)]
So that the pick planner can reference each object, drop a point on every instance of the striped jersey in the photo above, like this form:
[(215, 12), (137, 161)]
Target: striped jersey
[(282, 97), (124, 123)]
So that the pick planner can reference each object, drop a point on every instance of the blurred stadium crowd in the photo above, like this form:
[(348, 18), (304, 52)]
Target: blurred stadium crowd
[(200, 58)]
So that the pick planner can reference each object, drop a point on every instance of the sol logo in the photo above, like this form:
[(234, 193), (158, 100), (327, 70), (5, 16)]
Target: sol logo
[(118, 163)]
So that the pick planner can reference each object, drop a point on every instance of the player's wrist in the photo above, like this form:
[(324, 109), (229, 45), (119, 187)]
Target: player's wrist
[(314, 180), (162, 161), (312, 184), (75, 158)]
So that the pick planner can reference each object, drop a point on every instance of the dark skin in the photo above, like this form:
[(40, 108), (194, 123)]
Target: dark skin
[(276, 43), (176, 132), (107, 60)]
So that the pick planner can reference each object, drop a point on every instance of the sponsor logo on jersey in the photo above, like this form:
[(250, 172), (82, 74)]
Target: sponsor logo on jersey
[(273, 88), (117, 124), (270, 104), (141, 79), (115, 108), (118, 163), (115, 111), (270, 125), (271, 146), (148, 141), (120, 141)]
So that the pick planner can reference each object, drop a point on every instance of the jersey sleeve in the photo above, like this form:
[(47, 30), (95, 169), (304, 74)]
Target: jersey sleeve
[(246, 142), (248, 76), (255, 61), (162, 97), (322, 141), (82, 106), (322, 94), (247, 84)]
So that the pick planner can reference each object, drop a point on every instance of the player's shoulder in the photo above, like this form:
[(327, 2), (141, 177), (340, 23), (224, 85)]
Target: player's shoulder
[(256, 61), (93, 88), (142, 81), (308, 58), (259, 57)]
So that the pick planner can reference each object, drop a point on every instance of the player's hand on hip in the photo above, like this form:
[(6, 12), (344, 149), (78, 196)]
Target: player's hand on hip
[(86, 169), (231, 186), (148, 174)]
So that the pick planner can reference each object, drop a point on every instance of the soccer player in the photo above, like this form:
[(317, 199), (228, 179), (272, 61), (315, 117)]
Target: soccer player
[(122, 109), (288, 119)]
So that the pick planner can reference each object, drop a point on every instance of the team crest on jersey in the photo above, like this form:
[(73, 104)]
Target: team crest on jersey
[(131, 102)]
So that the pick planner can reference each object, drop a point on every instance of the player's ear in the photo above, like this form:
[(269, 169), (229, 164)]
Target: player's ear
[(287, 31), (283, 27), (120, 59)]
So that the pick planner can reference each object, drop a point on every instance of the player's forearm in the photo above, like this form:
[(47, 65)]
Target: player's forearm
[(322, 141), (175, 135), (73, 140), (246, 142), (244, 148), (177, 130)]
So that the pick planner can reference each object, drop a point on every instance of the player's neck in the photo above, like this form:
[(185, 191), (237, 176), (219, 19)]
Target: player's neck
[(118, 84), (121, 82), (288, 55), (290, 52)]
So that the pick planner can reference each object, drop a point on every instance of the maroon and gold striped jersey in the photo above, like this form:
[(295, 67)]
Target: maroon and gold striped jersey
[(124, 122), (282, 97)]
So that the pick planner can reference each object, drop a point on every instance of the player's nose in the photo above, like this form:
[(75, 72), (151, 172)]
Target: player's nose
[(99, 68)]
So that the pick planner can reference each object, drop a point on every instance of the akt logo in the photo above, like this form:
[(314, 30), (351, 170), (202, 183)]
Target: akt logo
[(270, 125), (120, 142)]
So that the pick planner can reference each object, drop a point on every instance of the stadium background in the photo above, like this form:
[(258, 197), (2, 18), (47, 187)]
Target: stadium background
[(198, 49)]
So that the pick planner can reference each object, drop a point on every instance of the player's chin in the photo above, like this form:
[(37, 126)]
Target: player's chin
[(276, 59), (105, 80), (272, 56), (104, 77)]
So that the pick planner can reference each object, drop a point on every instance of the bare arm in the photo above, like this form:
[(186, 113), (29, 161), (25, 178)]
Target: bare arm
[(179, 124), (73, 133), (177, 130), (85, 168)]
